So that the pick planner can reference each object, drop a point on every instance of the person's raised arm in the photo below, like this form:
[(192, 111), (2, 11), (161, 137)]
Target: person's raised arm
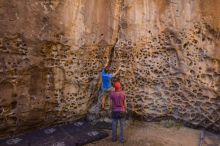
[(106, 63), (114, 74)]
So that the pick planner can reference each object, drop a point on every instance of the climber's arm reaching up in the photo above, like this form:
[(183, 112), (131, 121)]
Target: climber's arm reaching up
[(114, 74)]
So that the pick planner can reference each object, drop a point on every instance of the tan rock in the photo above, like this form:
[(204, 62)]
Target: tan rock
[(51, 51)]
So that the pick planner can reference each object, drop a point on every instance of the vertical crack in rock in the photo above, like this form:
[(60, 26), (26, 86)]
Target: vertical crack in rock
[(95, 113)]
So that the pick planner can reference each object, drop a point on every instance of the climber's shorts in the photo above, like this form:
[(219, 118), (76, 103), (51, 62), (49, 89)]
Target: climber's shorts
[(107, 92)]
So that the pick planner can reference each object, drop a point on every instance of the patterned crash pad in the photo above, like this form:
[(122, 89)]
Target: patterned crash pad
[(74, 134)]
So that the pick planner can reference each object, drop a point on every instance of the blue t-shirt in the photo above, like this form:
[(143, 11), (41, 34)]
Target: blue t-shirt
[(106, 80)]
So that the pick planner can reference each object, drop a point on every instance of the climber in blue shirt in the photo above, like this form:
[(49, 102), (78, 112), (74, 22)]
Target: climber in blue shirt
[(106, 80), (106, 85)]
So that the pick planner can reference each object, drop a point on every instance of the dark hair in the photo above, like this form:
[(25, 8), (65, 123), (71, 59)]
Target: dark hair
[(105, 70)]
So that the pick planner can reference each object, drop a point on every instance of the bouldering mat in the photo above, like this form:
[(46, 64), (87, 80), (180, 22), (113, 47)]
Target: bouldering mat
[(73, 134)]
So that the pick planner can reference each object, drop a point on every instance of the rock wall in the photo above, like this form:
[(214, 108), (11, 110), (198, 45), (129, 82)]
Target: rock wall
[(51, 50), (170, 60)]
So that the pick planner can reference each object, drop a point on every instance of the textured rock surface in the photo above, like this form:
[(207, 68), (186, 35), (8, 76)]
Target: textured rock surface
[(50, 51)]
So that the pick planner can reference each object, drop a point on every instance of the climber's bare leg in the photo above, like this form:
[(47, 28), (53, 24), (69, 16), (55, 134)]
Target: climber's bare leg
[(103, 101)]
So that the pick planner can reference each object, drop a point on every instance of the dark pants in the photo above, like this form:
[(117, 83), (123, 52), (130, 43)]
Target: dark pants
[(118, 117)]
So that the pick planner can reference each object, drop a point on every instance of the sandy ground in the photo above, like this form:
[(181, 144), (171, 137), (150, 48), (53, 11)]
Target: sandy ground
[(157, 134)]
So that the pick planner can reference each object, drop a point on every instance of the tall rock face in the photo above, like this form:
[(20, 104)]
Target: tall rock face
[(167, 51), (170, 60)]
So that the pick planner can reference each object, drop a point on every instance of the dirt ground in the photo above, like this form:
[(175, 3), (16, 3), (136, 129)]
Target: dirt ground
[(158, 134)]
